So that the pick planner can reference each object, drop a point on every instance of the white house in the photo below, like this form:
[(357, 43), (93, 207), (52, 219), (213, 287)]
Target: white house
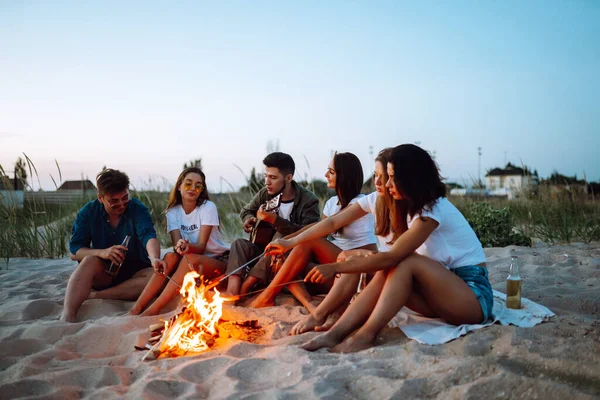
[(510, 181)]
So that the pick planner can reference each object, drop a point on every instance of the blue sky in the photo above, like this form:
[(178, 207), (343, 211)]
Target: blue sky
[(147, 86)]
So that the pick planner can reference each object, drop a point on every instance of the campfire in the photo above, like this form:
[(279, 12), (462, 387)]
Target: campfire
[(196, 327)]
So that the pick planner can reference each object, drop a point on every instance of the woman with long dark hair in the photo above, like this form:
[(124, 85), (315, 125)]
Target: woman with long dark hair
[(193, 224), (436, 267), (345, 175), (378, 205)]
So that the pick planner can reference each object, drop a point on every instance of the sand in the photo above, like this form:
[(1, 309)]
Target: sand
[(41, 357)]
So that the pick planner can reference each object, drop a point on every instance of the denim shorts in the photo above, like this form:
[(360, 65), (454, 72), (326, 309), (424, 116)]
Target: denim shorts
[(476, 278)]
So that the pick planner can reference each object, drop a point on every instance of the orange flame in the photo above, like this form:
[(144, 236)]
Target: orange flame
[(194, 328)]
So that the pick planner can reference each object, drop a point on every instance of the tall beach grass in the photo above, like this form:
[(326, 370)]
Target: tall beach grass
[(40, 230)]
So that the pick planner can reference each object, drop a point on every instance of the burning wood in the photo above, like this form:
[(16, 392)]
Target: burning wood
[(198, 325)]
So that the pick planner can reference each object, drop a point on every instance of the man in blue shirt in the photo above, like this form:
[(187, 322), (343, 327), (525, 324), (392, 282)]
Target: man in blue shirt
[(98, 232)]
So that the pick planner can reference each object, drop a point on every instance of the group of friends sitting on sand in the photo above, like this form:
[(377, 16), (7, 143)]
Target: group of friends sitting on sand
[(403, 245)]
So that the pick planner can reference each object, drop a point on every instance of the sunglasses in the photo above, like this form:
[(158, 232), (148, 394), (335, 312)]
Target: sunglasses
[(114, 203), (189, 186)]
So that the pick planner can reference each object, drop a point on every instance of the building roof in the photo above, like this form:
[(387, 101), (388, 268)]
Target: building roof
[(508, 170), (77, 185)]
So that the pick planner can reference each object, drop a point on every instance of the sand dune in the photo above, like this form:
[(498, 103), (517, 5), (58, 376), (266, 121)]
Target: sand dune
[(41, 357)]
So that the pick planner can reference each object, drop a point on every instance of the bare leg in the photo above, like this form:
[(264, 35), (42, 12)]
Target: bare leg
[(234, 284), (331, 319), (358, 312), (325, 251), (446, 295), (128, 290), (299, 291), (90, 271), (340, 294), (209, 268), (418, 304), (241, 252), (156, 283), (248, 284)]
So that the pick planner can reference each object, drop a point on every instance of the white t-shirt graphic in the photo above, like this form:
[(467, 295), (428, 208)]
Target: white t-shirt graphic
[(189, 226), (356, 234)]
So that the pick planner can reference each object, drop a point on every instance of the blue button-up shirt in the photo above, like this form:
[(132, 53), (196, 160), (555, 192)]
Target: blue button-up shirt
[(92, 229)]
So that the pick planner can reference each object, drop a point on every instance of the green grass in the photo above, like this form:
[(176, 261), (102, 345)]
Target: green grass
[(37, 230), (41, 230), (552, 218)]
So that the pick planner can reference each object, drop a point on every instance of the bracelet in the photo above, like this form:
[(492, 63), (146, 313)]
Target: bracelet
[(154, 259)]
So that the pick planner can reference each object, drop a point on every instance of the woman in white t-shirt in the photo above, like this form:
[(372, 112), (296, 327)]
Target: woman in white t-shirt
[(377, 205), (435, 267), (193, 224), (345, 175)]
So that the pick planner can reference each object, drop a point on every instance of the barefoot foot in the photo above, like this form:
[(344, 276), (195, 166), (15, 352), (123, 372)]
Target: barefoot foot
[(325, 340), (64, 317), (149, 312), (134, 311), (260, 303), (354, 343), (331, 320), (307, 324)]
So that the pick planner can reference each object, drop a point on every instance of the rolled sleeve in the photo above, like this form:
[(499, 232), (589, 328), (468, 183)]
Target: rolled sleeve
[(81, 235), (143, 224)]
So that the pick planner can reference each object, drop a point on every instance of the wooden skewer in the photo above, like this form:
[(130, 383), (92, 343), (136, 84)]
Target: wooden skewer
[(172, 280), (261, 290), (189, 263), (222, 278)]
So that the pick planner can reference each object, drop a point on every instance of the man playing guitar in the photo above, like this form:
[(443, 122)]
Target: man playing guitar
[(297, 208)]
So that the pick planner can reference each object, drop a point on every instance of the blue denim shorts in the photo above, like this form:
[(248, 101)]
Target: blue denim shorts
[(476, 278)]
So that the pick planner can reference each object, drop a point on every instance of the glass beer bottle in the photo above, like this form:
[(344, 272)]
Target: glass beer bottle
[(513, 285), (113, 269)]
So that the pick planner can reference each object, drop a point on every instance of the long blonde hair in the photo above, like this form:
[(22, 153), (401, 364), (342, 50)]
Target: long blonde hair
[(383, 205)]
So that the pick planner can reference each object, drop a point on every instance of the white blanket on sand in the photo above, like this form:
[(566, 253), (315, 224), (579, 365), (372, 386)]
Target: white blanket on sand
[(435, 331)]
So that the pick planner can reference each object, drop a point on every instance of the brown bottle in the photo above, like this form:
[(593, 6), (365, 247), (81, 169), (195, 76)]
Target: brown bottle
[(113, 269), (513, 285)]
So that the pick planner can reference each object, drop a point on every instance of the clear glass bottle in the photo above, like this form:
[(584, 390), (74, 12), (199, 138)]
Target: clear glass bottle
[(513, 285), (113, 269)]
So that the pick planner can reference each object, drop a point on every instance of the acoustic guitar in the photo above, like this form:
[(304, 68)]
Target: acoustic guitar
[(262, 233)]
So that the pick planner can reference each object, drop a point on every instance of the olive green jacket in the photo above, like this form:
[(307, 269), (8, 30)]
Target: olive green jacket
[(304, 212)]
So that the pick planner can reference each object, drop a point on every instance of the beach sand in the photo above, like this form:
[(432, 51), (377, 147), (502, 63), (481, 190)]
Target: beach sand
[(41, 357)]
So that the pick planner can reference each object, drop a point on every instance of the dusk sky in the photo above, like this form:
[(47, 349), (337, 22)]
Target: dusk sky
[(146, 86)]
